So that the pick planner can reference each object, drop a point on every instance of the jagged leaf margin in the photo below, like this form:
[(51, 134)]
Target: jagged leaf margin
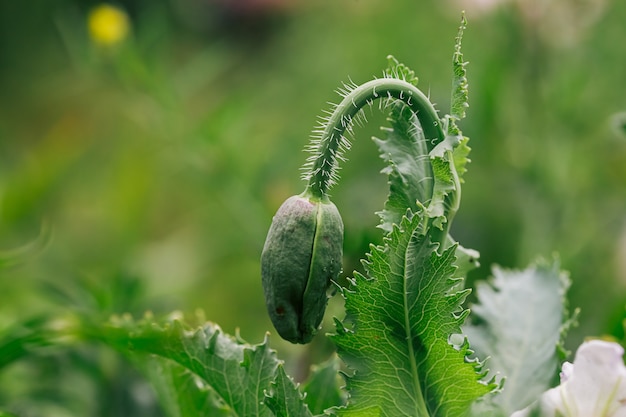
[(284, 398), (519, 322), (323, 386), (405, 152), (420, 173), (460, 157), (460, 86), (197, 371), (424, 174), (396, 333), (240, 374), (409, 171)]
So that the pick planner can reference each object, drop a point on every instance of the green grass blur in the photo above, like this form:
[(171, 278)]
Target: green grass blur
[(149, 170)]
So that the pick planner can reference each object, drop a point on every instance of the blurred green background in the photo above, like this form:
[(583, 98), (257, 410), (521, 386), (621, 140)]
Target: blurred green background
[(144, 172)]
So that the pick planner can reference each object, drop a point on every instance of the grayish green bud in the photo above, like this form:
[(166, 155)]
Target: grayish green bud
[(302, 254)]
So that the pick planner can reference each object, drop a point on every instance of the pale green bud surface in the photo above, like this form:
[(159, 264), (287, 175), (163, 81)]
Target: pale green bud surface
[(302, 255)]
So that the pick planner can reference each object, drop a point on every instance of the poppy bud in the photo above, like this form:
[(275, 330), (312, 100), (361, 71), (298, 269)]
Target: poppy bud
[(302, 254)]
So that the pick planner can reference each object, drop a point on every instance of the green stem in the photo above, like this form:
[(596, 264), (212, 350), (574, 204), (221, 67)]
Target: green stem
[(322, 168)]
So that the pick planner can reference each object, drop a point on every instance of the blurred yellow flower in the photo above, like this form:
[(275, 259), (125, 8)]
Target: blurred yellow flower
[(108, 25)]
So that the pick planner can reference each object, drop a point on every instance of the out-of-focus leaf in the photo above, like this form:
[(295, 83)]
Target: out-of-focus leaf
[(195, 371), (323, 387), (240, 374), (619, 124), (180, 392), (518, 322), (12, 257), (23, 338)]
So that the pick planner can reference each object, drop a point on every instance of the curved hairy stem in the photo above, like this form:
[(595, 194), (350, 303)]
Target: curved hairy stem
[(331, 143)]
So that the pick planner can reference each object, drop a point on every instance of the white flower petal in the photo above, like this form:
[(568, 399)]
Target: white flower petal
[(593, 386)]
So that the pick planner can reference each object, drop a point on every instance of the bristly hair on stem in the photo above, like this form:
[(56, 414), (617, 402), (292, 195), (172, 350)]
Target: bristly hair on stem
[(330, 139)]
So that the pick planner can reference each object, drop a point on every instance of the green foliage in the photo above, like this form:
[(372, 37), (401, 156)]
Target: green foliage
[(409, 305), (403, 312), (13, 257), (330, 143), (460, 90), (135, 156), (410, 178), (323, 387), (22, 338), (194, 370), (181, 393), (284, 398), (461, 159), (405, 152), (396, 334), (619, 124), (238, 373)]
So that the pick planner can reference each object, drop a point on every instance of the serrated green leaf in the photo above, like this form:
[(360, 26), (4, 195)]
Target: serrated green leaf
[(239, 373), (460, 156), (396, 69), (405, 151), (323, 387), (460, 90), (396, 333), (284, 398), (421, 175), (518, 322), (446, 189), (195, 372), (410, 176), (466, 260)]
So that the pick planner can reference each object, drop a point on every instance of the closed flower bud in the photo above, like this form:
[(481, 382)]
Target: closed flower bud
[(302, 254)]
